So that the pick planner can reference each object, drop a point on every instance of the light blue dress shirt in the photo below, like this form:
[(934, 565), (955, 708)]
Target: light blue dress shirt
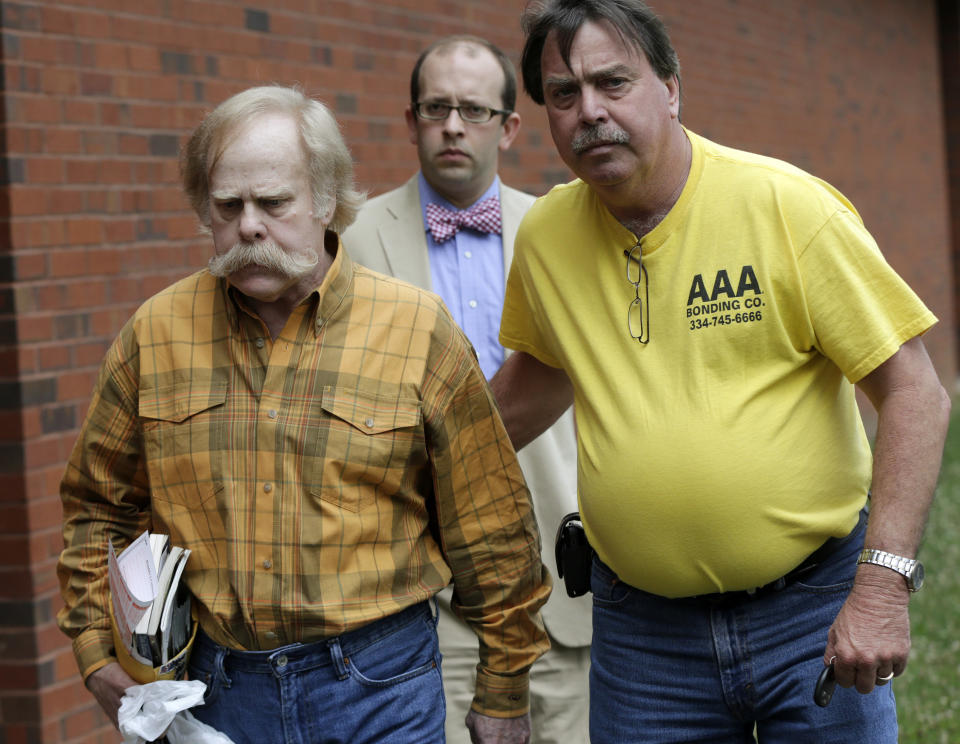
[(467, 272)]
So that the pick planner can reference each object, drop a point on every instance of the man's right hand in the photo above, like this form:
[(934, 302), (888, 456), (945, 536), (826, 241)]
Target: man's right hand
[(108, 685), (489, 730)]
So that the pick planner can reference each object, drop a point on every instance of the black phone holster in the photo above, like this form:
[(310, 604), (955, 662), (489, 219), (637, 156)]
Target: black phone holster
[(574, 555)]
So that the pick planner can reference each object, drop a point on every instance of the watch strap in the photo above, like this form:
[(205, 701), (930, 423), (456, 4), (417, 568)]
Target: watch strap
[(901, 564)]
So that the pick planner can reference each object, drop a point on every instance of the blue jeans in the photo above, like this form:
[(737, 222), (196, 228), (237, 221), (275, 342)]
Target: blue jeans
[(380, 683), (709, 669)]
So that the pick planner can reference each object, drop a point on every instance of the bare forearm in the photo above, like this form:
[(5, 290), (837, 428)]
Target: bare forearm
[(108, 685), (913, 416), (870, 639), (531, 396)]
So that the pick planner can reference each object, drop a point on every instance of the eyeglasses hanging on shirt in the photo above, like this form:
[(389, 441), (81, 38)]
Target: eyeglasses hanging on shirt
[(638, 313)]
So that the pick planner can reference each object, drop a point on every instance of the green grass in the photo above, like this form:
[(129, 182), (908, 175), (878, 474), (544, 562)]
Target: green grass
[(928, 695)]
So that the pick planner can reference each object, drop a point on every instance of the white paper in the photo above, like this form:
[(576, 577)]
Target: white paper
[(133, 586)]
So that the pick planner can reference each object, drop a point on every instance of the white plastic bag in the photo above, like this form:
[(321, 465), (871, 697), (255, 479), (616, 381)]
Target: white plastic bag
[(147, 711), (186, 729)]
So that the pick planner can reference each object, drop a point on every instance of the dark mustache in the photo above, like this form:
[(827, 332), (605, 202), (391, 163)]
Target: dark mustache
[(599, 135)]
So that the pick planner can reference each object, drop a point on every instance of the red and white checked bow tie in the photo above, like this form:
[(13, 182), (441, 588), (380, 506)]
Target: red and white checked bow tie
[(483, 216)]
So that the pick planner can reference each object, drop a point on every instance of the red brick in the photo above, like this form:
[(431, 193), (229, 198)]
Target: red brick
[(62, 140), (85, 294), (76, 385), (45, 110), (52, 476), (53, 357), (83, 231), (119, 231), (28, 200), (45, 170), (90, 354), (144, 58), (15, 581), (110, 56), (114, 172), (24, 139), (79, 112), (90, 24), (56, 20), (150, 116), (34, 328), (114, 114), (75, 724), (65, 665), (67, 201), (26, 359), (70, 262), (44, 513), (39, 452), (44, 579), (39, 49), (100, 143), (59, 82)]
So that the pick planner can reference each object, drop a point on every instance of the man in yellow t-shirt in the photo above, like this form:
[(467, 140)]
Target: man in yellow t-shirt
[(709, 312)]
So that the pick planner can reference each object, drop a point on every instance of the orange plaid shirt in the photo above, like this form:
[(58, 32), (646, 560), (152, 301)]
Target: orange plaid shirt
[(323, 480)]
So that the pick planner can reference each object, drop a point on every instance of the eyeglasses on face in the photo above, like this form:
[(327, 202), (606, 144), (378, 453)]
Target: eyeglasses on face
[(638, 312), (469, 112)]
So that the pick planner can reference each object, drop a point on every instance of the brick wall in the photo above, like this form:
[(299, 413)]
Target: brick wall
[(949, 21), (99, 94)]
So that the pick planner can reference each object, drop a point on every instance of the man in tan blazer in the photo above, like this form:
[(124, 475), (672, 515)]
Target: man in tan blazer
[(450, 229)]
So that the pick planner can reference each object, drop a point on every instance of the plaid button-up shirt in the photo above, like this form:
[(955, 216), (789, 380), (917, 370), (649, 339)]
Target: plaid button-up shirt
[(322, 480)]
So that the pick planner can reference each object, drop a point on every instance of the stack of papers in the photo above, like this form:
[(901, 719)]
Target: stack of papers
[(151, 606)]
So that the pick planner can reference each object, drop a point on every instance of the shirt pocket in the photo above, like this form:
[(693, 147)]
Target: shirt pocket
[(184, 433), (369, 444)]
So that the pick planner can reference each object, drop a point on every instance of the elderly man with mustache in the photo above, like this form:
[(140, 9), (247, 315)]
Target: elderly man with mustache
[(322, 438)]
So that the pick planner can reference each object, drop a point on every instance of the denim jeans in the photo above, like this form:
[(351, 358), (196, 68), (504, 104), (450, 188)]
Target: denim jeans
[(708, 670), (380, 683)]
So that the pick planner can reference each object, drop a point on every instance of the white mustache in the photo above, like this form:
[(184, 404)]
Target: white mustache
[(263, 253), (598, 135)]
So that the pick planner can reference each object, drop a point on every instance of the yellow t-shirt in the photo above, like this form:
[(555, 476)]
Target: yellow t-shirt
[(721, 453)]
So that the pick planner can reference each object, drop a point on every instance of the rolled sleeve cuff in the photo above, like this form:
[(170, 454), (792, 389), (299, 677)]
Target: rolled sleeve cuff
[(93, 649), (502, 697)]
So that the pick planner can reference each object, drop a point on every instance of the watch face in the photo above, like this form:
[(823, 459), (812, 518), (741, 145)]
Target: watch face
[(916, 578)]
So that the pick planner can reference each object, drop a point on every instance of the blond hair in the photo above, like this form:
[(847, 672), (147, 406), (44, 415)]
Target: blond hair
[(329, 163)]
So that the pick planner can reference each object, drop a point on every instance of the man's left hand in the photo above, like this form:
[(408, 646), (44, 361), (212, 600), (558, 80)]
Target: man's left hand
[(871, 636), (490, 730)]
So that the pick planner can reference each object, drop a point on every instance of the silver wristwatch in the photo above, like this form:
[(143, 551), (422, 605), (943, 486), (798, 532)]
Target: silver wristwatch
[(912, 570)]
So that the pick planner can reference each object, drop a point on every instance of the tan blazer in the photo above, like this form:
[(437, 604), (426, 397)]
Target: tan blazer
[(388, 236)]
